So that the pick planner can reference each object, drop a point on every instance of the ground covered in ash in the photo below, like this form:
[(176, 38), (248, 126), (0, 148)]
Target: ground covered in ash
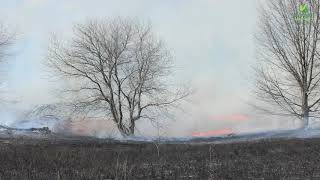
[(76, 158)]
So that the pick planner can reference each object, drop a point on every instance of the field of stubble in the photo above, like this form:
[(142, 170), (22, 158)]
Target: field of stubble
[(89, 159)]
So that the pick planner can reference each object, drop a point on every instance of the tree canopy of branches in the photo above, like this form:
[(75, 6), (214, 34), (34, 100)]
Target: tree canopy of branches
[(288, 74), (118, 68)]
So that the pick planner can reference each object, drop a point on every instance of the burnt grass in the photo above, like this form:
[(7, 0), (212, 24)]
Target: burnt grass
[(88, 159)]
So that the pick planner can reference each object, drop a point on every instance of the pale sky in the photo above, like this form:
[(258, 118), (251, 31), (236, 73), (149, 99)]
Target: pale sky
[(211, 41)]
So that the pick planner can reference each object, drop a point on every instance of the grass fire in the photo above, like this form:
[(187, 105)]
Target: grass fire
[(125, 90)]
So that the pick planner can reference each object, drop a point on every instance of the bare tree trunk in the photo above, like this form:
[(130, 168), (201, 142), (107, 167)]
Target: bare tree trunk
[(123, 130), (132, 126), (305, 111)]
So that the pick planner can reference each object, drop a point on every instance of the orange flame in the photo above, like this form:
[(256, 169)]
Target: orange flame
[(213, 133), (232, 117)]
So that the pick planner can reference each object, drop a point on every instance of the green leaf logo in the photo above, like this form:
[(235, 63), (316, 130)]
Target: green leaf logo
[(303, 8)]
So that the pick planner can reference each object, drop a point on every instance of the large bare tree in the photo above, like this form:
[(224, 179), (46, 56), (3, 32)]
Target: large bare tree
[(288, 72), (117, 68)]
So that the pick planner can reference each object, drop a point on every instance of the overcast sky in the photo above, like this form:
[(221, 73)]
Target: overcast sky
[(211, 40)]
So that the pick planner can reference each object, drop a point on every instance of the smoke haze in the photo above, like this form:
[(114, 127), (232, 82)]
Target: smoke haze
[(211, 41)]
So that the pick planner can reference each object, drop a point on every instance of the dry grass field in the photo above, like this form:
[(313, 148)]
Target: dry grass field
[(95, 159)]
